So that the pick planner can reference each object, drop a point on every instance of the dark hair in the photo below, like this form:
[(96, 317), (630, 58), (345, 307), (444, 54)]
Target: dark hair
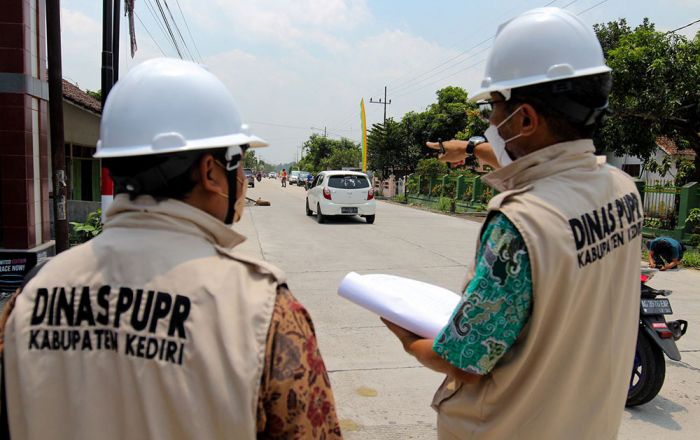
[(159, 175), (573, 108)]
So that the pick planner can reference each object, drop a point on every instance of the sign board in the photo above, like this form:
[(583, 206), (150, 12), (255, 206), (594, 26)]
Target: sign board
[(14, 265)]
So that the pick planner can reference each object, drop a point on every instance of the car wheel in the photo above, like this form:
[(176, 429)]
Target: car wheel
[(308, 211), (370, 219), (319, 217)]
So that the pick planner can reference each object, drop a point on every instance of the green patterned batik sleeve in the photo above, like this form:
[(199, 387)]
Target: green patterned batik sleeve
[(496, 304)]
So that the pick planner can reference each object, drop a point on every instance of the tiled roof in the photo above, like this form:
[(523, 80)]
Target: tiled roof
[(72, 93), (669, 147)]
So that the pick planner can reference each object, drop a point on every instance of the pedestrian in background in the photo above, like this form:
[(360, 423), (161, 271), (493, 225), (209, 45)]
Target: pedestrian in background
[(665, 253)]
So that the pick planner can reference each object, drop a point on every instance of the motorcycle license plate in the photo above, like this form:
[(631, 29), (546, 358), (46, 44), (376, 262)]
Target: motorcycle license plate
[(348, 210), (660, 306)]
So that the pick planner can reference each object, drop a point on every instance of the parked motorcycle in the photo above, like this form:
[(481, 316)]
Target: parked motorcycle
[(655, 337)]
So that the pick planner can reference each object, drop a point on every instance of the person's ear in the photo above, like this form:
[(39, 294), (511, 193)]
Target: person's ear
[(530, 120), (211, 175)]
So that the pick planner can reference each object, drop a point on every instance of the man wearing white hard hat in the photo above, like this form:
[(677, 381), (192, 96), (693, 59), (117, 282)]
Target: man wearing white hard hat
[(158, 328), (542, 343)]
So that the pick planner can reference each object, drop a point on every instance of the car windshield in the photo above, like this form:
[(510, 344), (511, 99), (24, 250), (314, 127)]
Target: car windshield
[(348, 182), (248, 171)]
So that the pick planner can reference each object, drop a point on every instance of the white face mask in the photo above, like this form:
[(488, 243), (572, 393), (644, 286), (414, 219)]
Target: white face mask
[(239, 205), (498, 143)]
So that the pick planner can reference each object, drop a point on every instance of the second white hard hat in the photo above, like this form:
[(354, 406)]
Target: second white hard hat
[(538, 46), (167, 105)]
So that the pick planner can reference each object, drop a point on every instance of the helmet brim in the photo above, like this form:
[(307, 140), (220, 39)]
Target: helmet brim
[(180, 145), (506, 86)]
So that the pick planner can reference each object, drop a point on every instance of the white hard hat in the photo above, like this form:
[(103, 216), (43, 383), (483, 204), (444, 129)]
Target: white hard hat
[(167, 105), (538, 46)]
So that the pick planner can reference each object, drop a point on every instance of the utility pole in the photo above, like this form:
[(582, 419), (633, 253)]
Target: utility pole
[(324, 131), (384, 103), (58, 151), (110, 46), (107, 48), (115, 41)]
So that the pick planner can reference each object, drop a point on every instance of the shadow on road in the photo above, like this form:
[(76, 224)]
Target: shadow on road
[(659, 412), (341, 220)]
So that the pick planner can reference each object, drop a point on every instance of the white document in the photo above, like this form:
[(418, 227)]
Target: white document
[(419, 307)]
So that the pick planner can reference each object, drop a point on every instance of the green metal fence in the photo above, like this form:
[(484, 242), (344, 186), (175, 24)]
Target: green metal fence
[(461, 193), (666, 207)]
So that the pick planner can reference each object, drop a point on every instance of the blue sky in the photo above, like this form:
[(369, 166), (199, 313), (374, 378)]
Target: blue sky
[(297, 64)]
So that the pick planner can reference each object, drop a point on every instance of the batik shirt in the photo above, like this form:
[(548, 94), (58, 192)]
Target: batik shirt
[(495, 305), (296, 401)]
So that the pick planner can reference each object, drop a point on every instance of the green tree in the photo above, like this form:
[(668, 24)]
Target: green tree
[(431, 167), (655, 90), (321, 153), (250, 160), (443, 119), (390, 148), (95, 94), (343, 157)]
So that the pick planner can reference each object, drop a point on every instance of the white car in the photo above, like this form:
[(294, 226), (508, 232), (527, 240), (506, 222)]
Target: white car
[(293, 176), (341, 193)]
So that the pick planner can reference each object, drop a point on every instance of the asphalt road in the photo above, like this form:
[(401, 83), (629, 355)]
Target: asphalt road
[(380, 391)]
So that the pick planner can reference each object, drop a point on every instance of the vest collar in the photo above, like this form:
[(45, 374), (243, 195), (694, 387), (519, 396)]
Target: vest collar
[(543, 163), (170, 215)]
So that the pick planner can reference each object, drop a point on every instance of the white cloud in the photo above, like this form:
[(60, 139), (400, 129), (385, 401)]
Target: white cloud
[(81, 46), (292, 84), (288, 22), (304, 90)]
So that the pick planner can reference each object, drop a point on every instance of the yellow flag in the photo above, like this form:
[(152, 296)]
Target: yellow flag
[(364, 135)]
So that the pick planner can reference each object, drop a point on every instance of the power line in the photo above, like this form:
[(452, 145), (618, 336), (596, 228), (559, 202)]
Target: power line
[(407, 84), (472, 56), (149, 33), (298, 127), (408, 92), (592, 7), (188, 31), (408, 88), (683, 27), (471, 66), (152, 11), (170, 30), (177, 28)]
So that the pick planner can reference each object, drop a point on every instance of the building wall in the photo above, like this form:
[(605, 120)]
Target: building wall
[(24, 175), (81, 131), (625, 161), (80, 126)]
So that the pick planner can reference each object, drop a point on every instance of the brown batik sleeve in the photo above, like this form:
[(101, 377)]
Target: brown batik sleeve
[(296, 400)]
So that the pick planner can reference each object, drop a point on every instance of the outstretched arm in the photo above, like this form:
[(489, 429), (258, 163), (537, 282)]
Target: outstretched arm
[(456, 152)]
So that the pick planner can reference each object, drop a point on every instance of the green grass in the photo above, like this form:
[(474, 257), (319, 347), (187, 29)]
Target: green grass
[(691, 259)]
